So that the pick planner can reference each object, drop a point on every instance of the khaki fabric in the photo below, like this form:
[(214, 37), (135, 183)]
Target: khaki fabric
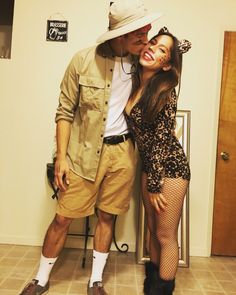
[(83, 101), (112, 189)]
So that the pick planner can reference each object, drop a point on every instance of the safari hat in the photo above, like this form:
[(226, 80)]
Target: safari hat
[(126, 16)]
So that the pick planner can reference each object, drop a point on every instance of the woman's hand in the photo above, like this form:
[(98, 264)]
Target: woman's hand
[(158, 201), (61, 174)]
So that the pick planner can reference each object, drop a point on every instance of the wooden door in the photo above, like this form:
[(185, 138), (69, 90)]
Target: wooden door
[(224, 219)]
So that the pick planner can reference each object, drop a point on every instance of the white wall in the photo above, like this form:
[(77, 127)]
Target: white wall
[(29, 88)]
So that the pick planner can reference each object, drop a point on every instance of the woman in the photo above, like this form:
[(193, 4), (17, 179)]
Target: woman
[(150, 113)]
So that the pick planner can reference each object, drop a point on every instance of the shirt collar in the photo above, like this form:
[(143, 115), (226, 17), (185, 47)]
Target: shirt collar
[(105, 50)]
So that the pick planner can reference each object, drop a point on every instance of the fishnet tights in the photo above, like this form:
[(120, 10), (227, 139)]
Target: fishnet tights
[(163, 227)]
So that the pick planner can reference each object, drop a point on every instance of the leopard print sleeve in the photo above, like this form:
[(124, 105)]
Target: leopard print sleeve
[(161, 145)]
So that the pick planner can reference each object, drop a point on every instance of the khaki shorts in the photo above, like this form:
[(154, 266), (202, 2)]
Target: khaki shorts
[(111, 191)]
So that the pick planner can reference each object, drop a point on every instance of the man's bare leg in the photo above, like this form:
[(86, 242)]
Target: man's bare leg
[(102, 243), (56, 236), (53, 244)]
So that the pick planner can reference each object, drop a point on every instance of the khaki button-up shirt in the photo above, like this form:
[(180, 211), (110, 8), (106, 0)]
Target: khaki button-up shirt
[(83, 101)]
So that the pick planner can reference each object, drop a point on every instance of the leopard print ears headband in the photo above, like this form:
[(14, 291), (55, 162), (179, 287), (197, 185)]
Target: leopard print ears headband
[(184, 45)]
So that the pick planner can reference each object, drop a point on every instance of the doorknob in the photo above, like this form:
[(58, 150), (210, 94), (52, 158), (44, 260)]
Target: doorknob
[(224, 156)]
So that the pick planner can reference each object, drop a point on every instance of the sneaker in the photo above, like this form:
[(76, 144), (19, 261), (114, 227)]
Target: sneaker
[(34, 289), (96, 289)]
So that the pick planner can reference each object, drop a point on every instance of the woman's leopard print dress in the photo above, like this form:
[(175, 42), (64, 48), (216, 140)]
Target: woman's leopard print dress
[(160, 151)]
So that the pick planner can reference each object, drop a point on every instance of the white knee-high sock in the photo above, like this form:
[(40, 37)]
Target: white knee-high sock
[(45, 267), (99, 262)]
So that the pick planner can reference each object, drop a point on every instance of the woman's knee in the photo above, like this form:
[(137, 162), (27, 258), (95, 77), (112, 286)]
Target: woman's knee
[(166, 237)]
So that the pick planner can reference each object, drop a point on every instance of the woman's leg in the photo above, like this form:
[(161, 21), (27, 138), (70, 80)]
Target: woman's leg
[(174, 190), (153, 245), (152, 267)]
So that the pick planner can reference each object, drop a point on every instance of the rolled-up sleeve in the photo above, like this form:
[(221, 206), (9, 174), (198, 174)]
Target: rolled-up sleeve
[(69, 95)]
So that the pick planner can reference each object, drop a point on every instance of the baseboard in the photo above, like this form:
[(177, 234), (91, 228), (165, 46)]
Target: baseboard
[(201, 252), (78, 242), (71, 242), (22, 240)]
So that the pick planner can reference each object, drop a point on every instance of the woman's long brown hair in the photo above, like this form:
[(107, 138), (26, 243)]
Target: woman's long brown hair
[(158, 88)]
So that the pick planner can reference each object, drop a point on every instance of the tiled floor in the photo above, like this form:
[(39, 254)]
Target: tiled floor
[(18, 264)]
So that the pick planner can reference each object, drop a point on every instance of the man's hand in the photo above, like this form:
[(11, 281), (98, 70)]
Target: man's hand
[(158, 201), (61, 174)]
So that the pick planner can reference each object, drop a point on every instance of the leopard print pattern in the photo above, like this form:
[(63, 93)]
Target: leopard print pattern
[(160, 151)]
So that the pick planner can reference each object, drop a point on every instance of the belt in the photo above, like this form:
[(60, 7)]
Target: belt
[(117, 138)]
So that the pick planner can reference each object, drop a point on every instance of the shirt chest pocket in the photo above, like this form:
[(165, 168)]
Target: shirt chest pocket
[(92, 91)]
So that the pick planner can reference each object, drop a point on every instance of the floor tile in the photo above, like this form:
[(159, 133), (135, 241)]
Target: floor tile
[(122, 275)]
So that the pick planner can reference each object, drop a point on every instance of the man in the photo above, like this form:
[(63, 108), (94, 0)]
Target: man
[(95, 162)]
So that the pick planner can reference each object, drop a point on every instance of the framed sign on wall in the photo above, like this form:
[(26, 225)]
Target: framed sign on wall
[(57, 30)]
